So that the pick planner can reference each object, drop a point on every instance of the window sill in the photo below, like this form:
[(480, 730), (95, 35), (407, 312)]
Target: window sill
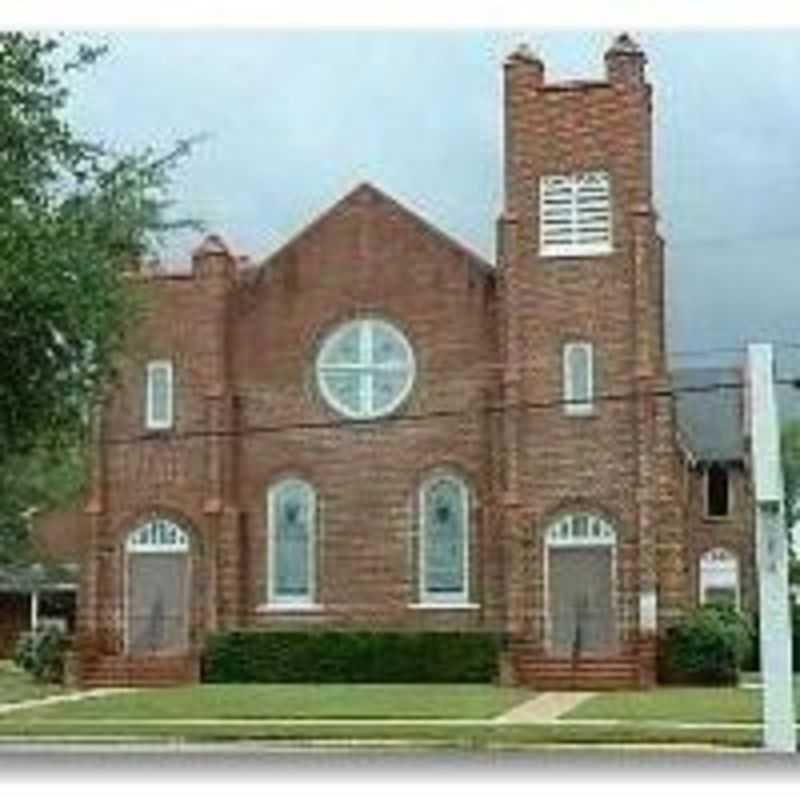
[(290, 608), (559, 253), (574, 413), (717, 520), (432, 606)]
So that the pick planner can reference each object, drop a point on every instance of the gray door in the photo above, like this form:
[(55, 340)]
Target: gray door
[(579, 600), (157, 602)]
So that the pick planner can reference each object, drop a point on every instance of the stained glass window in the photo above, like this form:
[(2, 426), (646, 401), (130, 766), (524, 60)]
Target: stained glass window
[(292, 521), (445, 526), (365, 368)]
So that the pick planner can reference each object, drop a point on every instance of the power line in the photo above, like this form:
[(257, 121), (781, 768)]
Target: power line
[(348, 423)]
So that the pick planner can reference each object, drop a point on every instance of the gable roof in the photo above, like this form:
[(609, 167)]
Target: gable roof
[(360, 192), (710, 411)]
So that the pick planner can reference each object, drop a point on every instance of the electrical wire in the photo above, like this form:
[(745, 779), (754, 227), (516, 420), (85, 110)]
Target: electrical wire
[(490, 409)]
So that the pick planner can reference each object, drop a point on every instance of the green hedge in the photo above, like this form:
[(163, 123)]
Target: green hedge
[(709, 646), (351, 657)]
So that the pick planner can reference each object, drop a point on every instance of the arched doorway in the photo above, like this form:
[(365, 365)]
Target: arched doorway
[(579, 586), (157, 588)]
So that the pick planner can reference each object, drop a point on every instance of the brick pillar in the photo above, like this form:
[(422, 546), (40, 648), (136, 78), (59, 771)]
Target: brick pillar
[(645, 385), (513, 531), (215, 266)]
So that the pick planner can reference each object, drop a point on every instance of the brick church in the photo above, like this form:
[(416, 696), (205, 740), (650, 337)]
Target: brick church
[(374, 427)]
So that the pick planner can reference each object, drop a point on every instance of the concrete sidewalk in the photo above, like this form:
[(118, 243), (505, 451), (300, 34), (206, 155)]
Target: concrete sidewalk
[(546, 707), (54, 699)]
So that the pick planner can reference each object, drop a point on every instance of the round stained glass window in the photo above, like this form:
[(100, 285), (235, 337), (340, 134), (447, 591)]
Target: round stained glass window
[(365, 368)]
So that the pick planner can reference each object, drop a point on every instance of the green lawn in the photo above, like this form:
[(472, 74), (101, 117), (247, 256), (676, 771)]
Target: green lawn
[(16, 685), (678, 704), (434, 734), (295, 701)]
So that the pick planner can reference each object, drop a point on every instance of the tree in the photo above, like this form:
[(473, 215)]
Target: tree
[(790, 458), (74, 216)]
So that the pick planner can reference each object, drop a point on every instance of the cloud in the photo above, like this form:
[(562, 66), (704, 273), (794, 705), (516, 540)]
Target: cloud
[(296, 119)]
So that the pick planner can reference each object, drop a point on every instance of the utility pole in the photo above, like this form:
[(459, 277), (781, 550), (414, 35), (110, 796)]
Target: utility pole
[(772, 552)]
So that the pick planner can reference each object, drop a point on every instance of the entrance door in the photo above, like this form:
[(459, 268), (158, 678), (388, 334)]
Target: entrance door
[(157, 607), (580, 585), (581, 613)]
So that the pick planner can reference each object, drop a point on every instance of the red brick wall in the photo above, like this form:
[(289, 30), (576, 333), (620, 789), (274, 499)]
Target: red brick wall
[(248, 411), (734, 533), (607, 463), (138, 472), (244, 357), (367, 256)]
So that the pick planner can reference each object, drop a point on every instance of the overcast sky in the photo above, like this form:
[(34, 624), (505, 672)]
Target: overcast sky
[(296, 120)]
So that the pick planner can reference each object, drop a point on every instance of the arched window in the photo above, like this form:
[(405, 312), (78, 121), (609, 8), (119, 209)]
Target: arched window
[(719, 577), (444, 550), (158, 536), (578, 378), (292, 523)]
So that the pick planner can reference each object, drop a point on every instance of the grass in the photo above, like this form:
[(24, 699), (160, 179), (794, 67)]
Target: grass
[(295, 701), (16, 685), (674, 704), (433, 734), (682, 704), (459, 716)]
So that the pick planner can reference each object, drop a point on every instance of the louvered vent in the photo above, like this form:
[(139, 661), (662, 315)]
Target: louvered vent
[(575, 214)]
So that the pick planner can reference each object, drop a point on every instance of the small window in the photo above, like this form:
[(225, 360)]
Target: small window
[(444, 554), (575, 214), (718, 491), (159, 395), (292, 543), (719, 577), (578, 378)]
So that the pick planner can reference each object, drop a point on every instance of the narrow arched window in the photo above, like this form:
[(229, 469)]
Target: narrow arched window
[(719, 577), (292, 539), (578, 378), (444, 551)]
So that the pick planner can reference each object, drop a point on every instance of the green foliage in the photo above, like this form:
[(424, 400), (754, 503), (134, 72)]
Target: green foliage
[(42, 480), (709, 646), (754, 662), (74, 215), (351, 657), (41, 653), (790, 458)]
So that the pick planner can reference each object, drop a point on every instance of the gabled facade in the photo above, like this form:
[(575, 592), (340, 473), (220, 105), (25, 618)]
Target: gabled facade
[(376, 428)]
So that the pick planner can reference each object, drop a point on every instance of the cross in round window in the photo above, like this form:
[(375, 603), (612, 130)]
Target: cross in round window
[(365, 368)]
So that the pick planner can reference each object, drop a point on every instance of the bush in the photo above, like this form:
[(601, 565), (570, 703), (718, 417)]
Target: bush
[(351, 657), (709, 646), (754, 662), (41, 653)]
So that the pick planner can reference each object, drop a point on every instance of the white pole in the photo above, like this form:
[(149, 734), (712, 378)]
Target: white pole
[(772, 553), (34, 610)]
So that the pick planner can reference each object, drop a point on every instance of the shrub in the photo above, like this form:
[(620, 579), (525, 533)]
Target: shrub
[(351, 657), (754, 662), (41, 653), (709, 646)]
